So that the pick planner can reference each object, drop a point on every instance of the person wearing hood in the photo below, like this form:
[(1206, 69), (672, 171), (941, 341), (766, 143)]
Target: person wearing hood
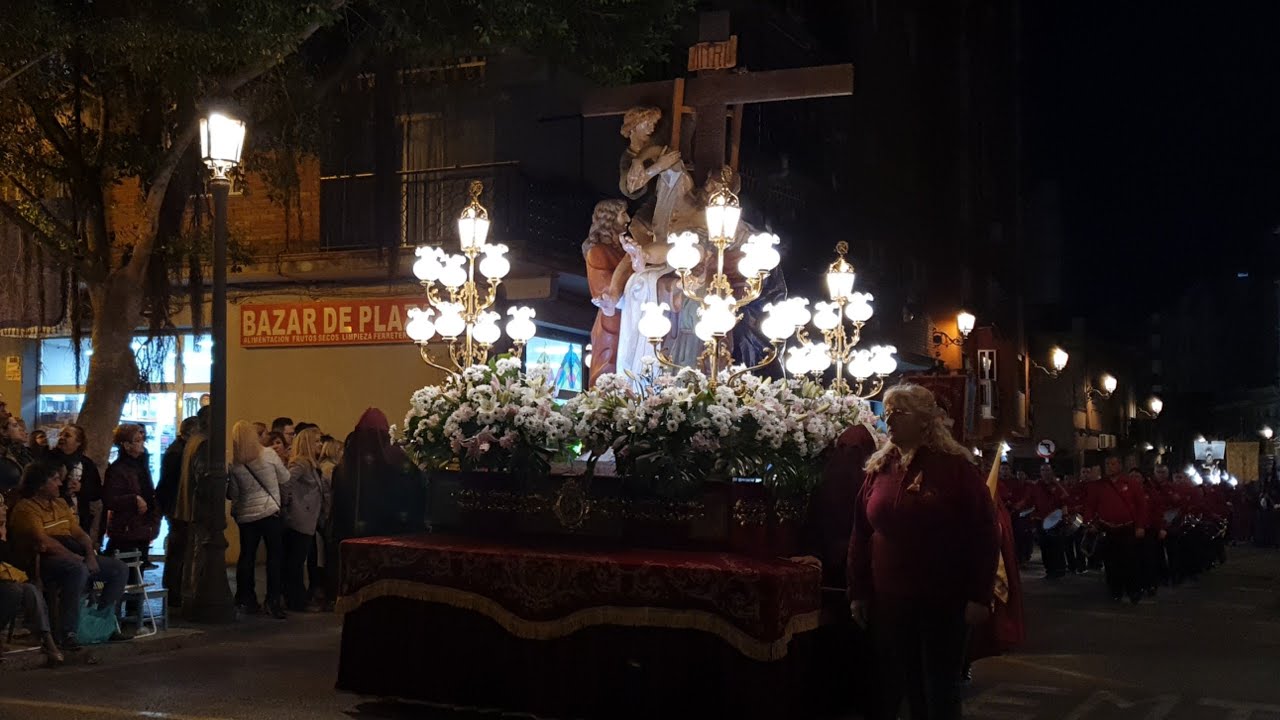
[(130, 495), (70, 454)]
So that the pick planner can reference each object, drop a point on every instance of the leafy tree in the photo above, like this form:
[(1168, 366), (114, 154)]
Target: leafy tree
[(101, 94)]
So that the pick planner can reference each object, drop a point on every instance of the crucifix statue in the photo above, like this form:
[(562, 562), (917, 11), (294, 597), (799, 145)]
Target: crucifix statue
[(712, 101)]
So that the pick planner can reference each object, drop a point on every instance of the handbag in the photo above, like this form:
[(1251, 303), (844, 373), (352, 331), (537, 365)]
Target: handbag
[(97, 625)]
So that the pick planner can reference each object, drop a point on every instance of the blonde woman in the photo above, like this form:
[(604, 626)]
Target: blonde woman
[(303, 497), (254, 488), (922, 558), (324, 556)]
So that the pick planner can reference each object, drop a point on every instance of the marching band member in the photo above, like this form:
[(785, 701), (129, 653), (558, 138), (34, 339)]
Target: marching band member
[(1075, 490), (1218, 509), (1013, 493), (923, 555), (1184, 554), (1118, 505), (1046, 494), (1151, 548)]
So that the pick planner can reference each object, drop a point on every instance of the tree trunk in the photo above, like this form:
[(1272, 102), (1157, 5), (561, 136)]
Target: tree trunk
[(113, 369)]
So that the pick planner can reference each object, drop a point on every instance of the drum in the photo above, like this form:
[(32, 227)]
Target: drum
[(1091, 541), (1051, 521), (1071, 523)]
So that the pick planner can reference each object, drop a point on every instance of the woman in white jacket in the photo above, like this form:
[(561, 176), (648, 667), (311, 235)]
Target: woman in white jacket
[(254, 487)]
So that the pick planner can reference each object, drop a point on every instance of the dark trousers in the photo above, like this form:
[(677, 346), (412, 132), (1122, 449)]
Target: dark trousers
[(72, 577), (1075, 558), (1121, 560), (1023, 538), (1152, 568), (175, 554), (14, 595), (297, 547), (317, 573), (1052, 553), (270, 532), (921, 647)]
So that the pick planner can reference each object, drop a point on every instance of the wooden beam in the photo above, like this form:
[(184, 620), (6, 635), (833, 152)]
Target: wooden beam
[(770, 86), (618, 100)]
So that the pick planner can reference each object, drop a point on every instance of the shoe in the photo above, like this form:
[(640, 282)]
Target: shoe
[(150, 566), (69, 643), (276, 610), (248, 608)]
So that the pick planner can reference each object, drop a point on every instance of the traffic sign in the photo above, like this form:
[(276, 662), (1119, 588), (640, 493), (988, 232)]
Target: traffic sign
[(1045, 448)]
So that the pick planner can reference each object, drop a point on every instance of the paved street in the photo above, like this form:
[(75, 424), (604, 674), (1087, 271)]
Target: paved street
[(1211, 652)]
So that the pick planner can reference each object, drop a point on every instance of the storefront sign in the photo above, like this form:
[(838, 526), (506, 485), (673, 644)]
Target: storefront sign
[(359, 321), (13, 368)]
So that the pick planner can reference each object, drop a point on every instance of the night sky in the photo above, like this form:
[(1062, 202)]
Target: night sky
[(1161, 123)]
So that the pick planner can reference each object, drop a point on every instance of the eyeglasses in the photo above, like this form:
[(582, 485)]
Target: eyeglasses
[(888, 414)]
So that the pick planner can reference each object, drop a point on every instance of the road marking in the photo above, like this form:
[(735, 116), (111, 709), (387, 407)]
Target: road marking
[(99, 710), (1063, 671)]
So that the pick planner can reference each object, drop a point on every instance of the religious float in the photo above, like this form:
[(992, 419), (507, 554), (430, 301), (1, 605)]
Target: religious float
[(624, 550)]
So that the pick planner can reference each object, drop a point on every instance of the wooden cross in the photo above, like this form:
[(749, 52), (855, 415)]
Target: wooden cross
[(715, 96)]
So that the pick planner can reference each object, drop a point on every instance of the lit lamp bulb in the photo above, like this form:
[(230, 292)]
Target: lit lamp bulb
[(819, 358), (826, 315), (797, 310), (1266, 432), (420, 328), (427, 267), (882, 360), (1148, 447), (654, 323), (450, 323), (1156, 405), (703, 330), (798, 359), (964, 323), (723, 211), (719, 312), (495, 265), (473, 222), (1058, 358), (859, 309), (452, 275), (761, 246), (861, 365), (840, 276), (1109, 383), (776, 325), (684, 253), (486, 331), (520, 327)]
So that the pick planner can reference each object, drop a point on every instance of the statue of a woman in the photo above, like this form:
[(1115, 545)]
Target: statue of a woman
[(607, 273)]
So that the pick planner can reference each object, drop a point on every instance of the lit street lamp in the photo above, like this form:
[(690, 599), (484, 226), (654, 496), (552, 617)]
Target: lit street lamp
[(221, 142), (1108, 383), (1058, 359), (1153, 408)]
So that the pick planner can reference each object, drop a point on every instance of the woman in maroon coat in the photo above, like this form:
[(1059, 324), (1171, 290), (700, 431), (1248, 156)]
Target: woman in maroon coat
[(129, 494), (922, 558)]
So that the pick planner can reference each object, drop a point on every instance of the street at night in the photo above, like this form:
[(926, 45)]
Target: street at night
[(1206, 651)]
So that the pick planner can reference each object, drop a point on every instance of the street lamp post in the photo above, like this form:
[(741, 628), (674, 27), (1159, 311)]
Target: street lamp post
[(221, 141)]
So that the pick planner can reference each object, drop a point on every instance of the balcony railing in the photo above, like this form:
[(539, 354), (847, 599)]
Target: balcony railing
[(523, 212)]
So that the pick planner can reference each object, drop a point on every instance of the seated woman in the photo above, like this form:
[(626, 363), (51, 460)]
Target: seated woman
[(16, 592), (44, 526)]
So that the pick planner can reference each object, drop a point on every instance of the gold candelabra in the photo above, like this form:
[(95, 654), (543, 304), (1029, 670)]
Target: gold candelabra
[(465, 321)]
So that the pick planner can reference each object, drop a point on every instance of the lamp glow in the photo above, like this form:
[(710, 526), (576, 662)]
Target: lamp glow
[(964, 323), (798, 359), (776, 325), (1155, 404), (520, 327), (420, 329), (221, 142), (495, 265), (826, 315), (1109, 383), (819, 358), (654, 323), (684, 254), (859, 309), (861, 365), (427, 267), (1058, 358), (450, 323), (486, 330), (882, 360), (723, 212), (763, 247), (1266, 432), (452, 274), (473, 221)]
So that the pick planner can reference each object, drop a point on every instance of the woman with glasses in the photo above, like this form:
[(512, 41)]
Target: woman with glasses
[(922, 558)]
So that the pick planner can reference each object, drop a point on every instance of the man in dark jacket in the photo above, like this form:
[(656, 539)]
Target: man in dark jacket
[(167, 496)]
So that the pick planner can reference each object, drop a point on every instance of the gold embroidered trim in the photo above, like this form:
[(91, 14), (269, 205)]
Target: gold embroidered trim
[(588, 617)]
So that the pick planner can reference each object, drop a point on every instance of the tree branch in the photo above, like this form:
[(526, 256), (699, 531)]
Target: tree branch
[(56, 135), (164, 172), (15, 216), (48, 215)]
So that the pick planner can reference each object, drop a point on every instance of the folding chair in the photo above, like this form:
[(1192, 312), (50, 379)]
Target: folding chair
[(139, 592)]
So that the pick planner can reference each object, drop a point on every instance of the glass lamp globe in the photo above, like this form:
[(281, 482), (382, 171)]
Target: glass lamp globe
[(763, 246), (486, 331), (473, 222), (840, 277), (826, 315), (1109, 383), (494, 265), (704, 330), (748, 264), (882, 360), (453, 275), (520, 327), (1058, 358), (798, 359), (221, 142), (776, 324), (684, 253), (798, 311), (859, 309), (654, 323), (427, 267), (964, 323), (719, 312), (860, 365), (1155, 404), (819, 358), (1266, 432), (450, 323), (420, 329)]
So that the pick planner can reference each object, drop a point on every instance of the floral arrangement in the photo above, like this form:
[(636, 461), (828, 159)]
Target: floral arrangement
[(492, 417), (668, 433), (675, 431)]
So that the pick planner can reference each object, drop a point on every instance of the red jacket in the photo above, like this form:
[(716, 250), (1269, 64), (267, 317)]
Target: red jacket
[(1013, 493), (1117, 500), (1188, 499), (1157, 503), (928, 533), (1046, 497)]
